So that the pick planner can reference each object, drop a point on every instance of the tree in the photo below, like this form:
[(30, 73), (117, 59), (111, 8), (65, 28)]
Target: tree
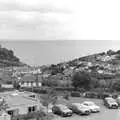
[(51, 97), (102, 84), (110, 52), (94, 83), (50, 83), (16, 85), (81, 80), (116, 86), (3, 105)]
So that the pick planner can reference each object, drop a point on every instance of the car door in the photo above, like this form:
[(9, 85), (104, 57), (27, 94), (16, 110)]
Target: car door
[(75, 109), (54, 109)]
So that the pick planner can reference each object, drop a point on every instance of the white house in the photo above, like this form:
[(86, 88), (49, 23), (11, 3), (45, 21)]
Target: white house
[(4, 116), (31, 81), (7, 85), (21, 103)]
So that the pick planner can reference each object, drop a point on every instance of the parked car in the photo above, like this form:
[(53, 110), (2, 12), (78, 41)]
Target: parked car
[(105, 94), (79, 109), (92, 106), (75, 94), (118, 100), (102, 95), (61, 110), (110, 103)]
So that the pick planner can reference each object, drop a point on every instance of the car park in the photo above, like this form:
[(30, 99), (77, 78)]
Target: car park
[(110, 103), (79, 109), (92, 106), (62, 110)]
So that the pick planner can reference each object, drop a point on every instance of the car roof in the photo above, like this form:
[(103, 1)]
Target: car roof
[(109, 98), (60, 105), (88, 102), (76, 104)]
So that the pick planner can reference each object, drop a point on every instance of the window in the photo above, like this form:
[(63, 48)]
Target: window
[(33, 96), (10, 112), (32, 109), (29, 109)]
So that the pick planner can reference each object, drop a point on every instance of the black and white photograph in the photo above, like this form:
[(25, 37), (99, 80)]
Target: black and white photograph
[(59, 60)]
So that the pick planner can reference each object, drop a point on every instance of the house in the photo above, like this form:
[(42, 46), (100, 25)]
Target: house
[(4, 116), (31, 81), (7, 85), (21, 103)]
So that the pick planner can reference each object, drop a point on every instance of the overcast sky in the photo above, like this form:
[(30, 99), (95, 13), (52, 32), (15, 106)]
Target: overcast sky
[(60, 19), (52, 52)]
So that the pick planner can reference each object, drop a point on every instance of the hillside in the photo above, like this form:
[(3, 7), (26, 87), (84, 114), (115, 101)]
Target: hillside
[(8, 59), (102, 63), (104, 68)]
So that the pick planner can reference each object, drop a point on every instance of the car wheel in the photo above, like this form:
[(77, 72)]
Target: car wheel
[(62, 114)]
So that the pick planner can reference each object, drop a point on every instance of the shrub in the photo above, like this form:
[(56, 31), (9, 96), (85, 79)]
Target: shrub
[(42, 91), (66, 96), (75, 94), (104, 95), (91, 95)]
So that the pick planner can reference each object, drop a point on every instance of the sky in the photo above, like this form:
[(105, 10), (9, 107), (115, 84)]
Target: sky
[(53, 52), (59, 20)]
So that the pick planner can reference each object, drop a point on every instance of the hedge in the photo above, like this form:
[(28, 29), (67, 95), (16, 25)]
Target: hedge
[(75, 94)]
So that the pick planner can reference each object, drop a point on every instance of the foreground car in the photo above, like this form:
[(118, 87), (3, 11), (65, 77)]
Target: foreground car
[(118, 100), (79, 109), (92, 106), (61, 110), (110, 103)]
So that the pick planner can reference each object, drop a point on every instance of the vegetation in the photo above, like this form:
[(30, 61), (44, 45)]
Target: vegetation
[(7, 58), (16, 85), (81, 80), (3, 105), (49, 98), (98, 72)]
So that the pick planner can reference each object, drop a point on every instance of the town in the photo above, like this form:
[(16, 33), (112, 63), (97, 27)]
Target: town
[(73, 89)]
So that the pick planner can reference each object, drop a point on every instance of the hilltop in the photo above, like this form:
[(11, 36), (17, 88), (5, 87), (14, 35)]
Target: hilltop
[(8, 59)]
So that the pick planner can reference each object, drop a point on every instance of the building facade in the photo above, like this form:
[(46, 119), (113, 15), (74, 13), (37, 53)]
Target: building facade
[(21, 103)]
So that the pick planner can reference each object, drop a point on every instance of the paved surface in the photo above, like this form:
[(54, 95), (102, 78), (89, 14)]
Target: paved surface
[(104, 114)]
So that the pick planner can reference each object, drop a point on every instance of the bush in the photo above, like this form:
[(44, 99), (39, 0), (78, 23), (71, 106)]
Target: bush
[(81, 90), (66, 96), (115, 95), (91, 95), (42, 91), (63, 89), (116, 86), (36, 90), (75, 94), (104, 95)]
